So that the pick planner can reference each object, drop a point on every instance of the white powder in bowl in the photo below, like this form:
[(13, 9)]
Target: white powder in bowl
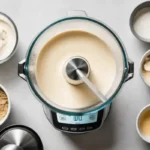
[(8, 37), (142, 23)]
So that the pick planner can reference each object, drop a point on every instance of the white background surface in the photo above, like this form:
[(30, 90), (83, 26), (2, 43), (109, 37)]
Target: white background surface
[(118, 132)]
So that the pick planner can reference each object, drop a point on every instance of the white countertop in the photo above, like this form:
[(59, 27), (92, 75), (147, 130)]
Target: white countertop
[(118, 132)]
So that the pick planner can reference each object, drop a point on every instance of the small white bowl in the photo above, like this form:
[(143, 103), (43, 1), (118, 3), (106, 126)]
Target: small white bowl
[(9, 106), (145, 138), (11, 23), (141, 66)]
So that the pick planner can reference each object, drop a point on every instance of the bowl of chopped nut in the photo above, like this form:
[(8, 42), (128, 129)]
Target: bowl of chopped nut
[(145, 68), (5, 105)]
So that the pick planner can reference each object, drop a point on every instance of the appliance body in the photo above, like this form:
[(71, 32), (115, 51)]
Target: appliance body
[(77, 124)]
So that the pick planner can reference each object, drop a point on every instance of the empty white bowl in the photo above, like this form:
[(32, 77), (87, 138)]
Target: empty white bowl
[(144, 137), (9, 106)]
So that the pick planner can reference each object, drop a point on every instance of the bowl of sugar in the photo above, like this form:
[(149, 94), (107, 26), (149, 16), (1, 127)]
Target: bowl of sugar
[(140, 21)]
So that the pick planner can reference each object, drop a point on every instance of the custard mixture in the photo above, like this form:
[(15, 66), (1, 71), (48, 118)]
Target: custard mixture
[(51, 60)]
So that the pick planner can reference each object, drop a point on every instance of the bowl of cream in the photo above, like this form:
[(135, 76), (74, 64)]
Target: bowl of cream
[(143, 123), (140, 21), (8, 38)]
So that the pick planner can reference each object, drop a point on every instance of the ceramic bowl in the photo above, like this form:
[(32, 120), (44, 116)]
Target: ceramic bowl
[(145, 138), (136, 12), (12, 24), (9, 106)]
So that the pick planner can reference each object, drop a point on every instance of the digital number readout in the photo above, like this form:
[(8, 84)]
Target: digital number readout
[(85, 119)]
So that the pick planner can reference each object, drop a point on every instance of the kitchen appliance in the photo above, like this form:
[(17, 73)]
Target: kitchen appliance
[(18, 137), (88, 118)]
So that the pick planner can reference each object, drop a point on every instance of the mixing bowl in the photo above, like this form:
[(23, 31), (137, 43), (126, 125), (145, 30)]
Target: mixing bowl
[(77, 21)]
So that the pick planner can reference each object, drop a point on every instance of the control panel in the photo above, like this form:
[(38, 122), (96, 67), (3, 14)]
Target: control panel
[(77, 124)]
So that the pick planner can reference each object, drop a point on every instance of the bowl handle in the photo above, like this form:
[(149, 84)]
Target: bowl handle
[(130, 73), (80, 13), (21, 72)]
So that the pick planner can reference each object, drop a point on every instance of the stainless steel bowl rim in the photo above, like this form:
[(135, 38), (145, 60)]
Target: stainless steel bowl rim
[(132, 17)]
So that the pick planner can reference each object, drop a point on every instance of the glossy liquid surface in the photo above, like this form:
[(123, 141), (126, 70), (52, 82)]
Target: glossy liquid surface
[(51, 60)]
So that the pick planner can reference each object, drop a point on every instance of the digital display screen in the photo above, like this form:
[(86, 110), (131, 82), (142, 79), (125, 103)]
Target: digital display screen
[(83, 119)]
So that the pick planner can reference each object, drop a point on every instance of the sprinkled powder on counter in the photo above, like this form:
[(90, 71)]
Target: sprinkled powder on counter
[(3, 104)]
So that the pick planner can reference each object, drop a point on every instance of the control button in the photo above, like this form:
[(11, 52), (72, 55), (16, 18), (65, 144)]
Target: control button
[(89, 128), (62, 118), (92, 116), (82, 129), (65, 128), (73, 129)]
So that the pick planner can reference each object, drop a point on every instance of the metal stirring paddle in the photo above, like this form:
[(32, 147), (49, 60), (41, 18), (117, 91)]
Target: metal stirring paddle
[(77, 71)]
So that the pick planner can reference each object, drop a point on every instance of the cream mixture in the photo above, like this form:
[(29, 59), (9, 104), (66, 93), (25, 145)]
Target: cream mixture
[(51, 60)]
